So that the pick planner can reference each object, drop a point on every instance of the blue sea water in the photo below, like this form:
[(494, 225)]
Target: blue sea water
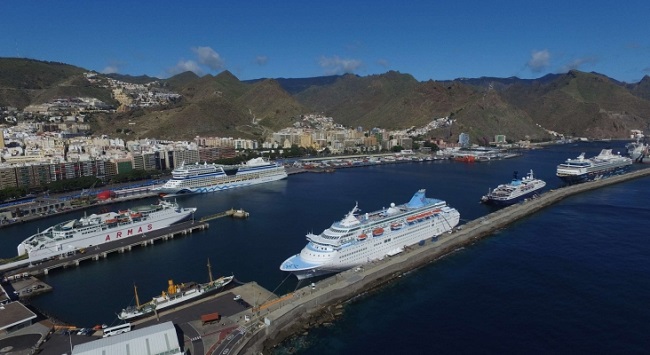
[(571, 278)]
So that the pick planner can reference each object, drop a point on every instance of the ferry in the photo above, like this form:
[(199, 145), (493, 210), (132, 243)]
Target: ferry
[(203, 178), (360, 238), (603, 165), (515, 191), (175, 295), (70, 237)]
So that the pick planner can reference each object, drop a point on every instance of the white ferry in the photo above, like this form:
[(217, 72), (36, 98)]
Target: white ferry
[(202, 178), (603, 165), (358, 239), (74, 236), (515, 191)]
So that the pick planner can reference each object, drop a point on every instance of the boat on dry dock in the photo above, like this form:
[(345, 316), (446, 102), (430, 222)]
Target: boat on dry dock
[(175, 295)]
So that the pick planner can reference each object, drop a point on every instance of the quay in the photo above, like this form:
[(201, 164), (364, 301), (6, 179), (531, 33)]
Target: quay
[(235, 213), (102, 250), (275, 323)]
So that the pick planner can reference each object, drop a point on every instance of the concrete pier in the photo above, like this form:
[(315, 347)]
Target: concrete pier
[(276, 322)]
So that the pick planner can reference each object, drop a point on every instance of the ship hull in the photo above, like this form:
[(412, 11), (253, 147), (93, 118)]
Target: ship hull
[(593, 175), (162, 304), (512, 201), (221, 186), (64, 247), (356, 241)]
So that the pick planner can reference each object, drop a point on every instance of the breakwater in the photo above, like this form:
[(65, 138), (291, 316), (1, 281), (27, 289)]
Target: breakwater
[(292, 315)]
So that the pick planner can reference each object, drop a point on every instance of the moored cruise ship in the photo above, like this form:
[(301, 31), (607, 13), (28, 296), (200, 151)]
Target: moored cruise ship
[(73, 236), (202, 178), (639, 151), (603, 165), (515, 191), (358, 239)]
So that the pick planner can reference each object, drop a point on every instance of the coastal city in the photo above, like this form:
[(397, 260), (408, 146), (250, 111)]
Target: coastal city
[(51, 142)]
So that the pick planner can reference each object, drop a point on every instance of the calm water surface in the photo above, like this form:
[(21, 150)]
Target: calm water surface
[(571, 278)]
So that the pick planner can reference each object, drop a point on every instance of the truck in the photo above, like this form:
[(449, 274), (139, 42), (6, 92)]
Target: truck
[(210, 318)]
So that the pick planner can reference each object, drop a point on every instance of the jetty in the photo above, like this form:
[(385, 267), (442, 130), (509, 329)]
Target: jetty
[(235, 213), (278, 320)]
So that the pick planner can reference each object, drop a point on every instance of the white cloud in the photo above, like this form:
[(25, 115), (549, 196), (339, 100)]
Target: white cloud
[(335, 65), (577, 63), (261, 59), (539, 60), (185, 65), (207, 56), (111, 69), (383, 63)]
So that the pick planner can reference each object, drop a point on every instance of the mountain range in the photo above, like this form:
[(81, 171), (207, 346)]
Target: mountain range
[(574, 103)]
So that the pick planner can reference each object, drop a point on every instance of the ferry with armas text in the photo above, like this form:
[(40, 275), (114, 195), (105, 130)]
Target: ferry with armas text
[(202, 178), (514, 191), (76, 235), (175, 295), (603, 165), (358, 239)]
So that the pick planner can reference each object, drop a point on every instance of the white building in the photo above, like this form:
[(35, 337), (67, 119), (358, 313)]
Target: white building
[(156, 339)]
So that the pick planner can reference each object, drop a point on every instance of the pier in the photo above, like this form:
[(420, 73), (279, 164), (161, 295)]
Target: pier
[(239, 213)]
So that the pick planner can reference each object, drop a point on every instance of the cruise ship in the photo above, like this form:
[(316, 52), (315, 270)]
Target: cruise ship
[(515, 191), (361, 238), (639, 152), (75, 235), (202, 178), (603, 165), (175, 295)]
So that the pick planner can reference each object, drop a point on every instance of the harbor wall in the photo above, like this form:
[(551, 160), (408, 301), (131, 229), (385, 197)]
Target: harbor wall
[(293, 316)]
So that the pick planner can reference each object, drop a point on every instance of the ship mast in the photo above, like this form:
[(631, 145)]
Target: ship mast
[(137, 300), (209, 270)]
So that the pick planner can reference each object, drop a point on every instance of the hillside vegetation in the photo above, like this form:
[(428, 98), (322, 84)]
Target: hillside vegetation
[(575, 103)]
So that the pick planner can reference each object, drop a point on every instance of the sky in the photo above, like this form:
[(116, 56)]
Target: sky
[(431, 40)]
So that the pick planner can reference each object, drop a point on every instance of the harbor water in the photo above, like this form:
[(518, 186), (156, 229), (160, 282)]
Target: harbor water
[(572, 278)]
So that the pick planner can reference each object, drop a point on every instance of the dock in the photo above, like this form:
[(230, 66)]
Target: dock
[(235, 213)]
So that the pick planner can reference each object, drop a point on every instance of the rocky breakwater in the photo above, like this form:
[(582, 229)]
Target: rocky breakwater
[(309, 304)]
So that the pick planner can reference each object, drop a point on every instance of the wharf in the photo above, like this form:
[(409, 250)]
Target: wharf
[(271, 325), (235, 213), (102, 250)]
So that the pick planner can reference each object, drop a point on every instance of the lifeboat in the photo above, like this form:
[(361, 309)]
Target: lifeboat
[(427, 215), (362, 236), (123, 211), (378, 232), (110, 221), (411, 220), (136, 215), (396, 226)]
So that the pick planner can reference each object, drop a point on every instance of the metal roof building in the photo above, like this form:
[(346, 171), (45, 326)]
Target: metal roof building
[(153, 340)]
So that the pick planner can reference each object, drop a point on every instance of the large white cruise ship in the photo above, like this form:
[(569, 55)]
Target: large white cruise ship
[(358, 239), (603, 165), (201, 178), (515, 191), (73, 236)]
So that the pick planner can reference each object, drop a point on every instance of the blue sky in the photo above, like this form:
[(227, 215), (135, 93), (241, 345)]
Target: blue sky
[(432, 39)]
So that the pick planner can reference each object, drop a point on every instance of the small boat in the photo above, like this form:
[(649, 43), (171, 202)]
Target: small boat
[(378, 232), (396, 226), (362, 236)]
